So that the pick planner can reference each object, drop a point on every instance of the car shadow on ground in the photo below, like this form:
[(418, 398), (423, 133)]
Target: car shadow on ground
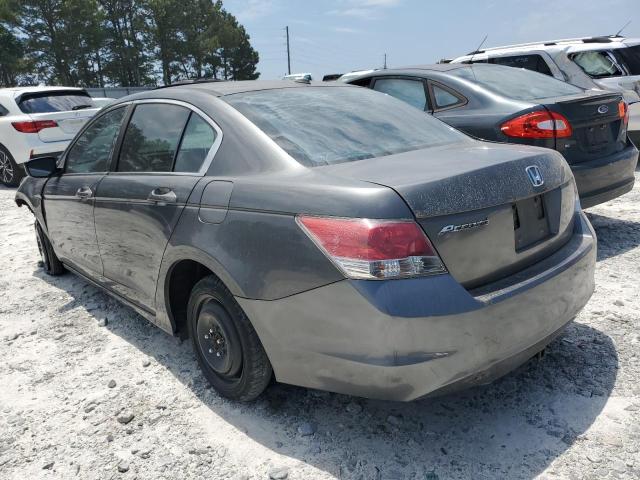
[(615, 236), (526, 419)]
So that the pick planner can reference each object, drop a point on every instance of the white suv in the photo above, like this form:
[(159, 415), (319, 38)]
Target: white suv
[(37, 121), (611, 63)]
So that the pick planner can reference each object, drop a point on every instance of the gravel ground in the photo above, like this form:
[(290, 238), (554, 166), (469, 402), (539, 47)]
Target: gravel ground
[(88, 389)]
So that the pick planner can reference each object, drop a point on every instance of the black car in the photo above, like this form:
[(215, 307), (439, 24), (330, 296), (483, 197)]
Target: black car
[(504, 104)]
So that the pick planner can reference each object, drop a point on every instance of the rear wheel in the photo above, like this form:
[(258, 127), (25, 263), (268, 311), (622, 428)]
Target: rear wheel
[(50, 261), (227, 347), (10, 172)]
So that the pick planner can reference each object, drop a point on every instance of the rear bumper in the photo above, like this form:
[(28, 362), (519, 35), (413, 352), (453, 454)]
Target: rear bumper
[(404, 339), (32, 147), (601, 180)]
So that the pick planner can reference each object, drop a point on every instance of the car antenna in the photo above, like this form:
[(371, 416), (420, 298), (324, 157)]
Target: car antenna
[(620, 31), (477, 50)]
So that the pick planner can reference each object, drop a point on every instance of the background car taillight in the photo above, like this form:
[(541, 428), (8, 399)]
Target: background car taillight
[(33, 126), (539, 124), (374, 249), (623, 113)]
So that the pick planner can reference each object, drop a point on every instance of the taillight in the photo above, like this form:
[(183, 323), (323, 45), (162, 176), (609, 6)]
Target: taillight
[(623, 112), (374, 249), (33, 126), (539, 124)]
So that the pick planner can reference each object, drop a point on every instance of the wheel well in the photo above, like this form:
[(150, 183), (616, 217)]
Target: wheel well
[(182, 278)]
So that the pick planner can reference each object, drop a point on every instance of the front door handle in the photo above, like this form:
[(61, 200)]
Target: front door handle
[(84, 193), (162, 196)]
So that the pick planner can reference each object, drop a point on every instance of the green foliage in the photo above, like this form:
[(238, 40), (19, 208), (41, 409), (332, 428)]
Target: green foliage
[(121, 42)]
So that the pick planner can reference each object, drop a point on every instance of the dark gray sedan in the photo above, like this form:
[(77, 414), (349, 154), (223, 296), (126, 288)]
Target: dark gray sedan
[(329, 235), (504, 104)]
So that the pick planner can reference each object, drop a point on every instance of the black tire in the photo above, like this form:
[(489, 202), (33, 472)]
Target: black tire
[(10, 172), (228, 349), (50, 261)]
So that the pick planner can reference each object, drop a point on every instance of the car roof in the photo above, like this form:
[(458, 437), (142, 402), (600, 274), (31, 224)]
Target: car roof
[(221, 89), (569, 44)]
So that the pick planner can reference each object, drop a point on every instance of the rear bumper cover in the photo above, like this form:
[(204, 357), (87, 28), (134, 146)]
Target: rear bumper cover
[(601, 180), (404, 339)]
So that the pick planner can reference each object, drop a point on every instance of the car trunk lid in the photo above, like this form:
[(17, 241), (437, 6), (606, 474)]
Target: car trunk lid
[(478, 205), (597, 128), (67, 124)]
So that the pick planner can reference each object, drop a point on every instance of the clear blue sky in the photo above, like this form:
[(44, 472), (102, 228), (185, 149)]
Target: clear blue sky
[(336, 36)]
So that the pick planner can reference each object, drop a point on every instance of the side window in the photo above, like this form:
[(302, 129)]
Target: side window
[(3, 111), (197, 140), (530, 62), (596, 64), (92, 150), (152, 137), (443, 98), (410, 91)]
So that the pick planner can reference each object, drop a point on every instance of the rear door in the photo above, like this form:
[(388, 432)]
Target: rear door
[(164, 152), (69, 198), (66, 112)]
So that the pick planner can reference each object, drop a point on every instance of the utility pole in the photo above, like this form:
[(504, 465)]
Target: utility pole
[(385, 62), (288, 52)]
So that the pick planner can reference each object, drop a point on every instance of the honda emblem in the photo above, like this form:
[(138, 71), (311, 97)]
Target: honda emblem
[(535, 176)]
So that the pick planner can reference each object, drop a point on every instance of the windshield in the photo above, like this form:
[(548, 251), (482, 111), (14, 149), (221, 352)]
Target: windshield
[(48, 102), (597, 64), (515, 83), (327, 125)]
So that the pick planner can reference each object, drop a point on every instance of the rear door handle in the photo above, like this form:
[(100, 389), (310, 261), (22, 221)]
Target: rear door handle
[(162, 196), (84, 193)]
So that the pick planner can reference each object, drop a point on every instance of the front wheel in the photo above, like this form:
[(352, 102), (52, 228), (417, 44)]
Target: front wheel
[(50, 261), (227, 347)]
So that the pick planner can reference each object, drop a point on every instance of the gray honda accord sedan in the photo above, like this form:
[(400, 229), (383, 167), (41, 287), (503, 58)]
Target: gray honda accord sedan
[(328, 235)]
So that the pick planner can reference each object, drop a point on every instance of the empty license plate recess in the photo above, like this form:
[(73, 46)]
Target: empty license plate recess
[(530, 222)]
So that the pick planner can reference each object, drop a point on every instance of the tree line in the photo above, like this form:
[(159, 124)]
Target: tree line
[(97, 43)]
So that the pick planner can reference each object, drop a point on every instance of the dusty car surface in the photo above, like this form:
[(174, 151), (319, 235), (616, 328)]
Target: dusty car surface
[(326, 234), (505, 104)]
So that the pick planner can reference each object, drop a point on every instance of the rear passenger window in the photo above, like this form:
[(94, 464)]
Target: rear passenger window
[(409, 91), (530, 62), (444, 98), (152, 137), (3, 111), (92, 150), (197, 141)]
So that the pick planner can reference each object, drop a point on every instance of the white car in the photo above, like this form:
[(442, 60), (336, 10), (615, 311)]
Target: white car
[(298, 76), (102, 102), (610, 63), (36, 121), (353, 74)]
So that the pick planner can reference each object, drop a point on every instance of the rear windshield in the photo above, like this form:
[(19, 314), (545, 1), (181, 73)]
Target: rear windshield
[(47, 102), (515, 83), (323, 126)]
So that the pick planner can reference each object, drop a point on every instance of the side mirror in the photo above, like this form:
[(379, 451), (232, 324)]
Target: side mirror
[(42, 167)]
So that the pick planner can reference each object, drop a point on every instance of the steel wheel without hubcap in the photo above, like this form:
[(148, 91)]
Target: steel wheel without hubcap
[(218, 341), (6, 169), (227, 347)]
